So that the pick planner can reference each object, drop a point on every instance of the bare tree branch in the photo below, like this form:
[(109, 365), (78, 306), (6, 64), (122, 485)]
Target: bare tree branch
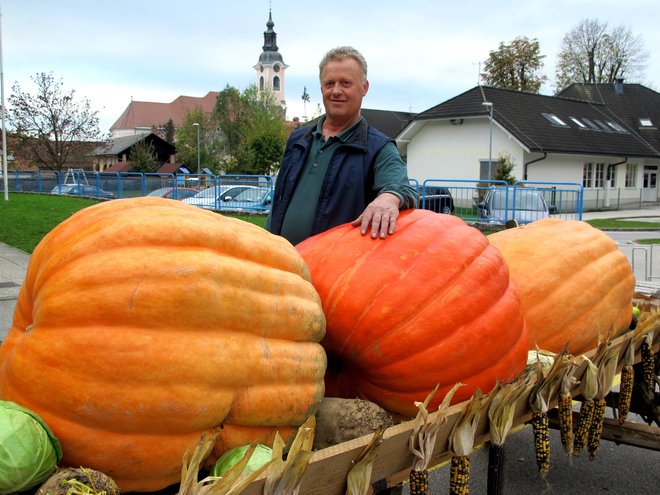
[(51, 127)]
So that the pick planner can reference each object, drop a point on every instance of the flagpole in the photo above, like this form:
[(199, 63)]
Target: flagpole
[(4, 131)]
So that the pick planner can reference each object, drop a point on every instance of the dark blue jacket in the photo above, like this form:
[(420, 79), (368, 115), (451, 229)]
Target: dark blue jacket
[(348, 185)]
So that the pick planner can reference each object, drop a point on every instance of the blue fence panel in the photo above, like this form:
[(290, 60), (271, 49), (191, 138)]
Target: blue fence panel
[(489, 201), (497, 202)]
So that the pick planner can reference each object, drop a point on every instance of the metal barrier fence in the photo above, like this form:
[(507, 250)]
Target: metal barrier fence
[(239, 193), (492, 201), (497, 202)]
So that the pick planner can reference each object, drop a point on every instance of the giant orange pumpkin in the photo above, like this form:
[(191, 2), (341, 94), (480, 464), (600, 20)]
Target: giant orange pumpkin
[(431, 304), (574, 283), (143, 323)]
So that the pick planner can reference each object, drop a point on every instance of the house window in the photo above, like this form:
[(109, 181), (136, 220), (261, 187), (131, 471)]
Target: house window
[(631, 175), (554, 120), (599, 177), (611, 176), (602, 126), (587, 174), (593, 126), (261, 83), (645, 122), (578, 123), (617, 127), (485, 168), (276, 83)]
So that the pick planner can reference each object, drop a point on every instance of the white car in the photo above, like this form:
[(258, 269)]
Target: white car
[(521, 204), (211, 198)]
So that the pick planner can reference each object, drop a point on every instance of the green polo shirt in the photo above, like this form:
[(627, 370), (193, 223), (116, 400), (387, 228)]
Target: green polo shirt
[(299, 216)]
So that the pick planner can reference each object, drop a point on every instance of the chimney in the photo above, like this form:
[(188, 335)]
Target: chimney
[(618, 85)]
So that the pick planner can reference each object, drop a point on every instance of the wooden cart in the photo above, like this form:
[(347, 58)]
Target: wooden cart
[(328, 468)]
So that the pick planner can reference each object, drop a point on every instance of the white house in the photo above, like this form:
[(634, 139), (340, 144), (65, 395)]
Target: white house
[(603, 136)]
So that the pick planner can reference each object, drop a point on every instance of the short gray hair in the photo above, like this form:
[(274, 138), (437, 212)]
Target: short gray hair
[(342, 52)]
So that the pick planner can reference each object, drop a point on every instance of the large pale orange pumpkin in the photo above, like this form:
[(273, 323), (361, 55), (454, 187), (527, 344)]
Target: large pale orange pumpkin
[(143, 323), (574, 283), (431, 304)]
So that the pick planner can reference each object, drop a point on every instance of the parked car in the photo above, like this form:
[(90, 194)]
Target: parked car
[(210, 198), (438, 199), (523, 205), (179, 193), (252, 199), (82, 190)]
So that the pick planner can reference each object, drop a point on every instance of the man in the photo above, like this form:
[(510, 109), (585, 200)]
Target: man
[(341, 169)]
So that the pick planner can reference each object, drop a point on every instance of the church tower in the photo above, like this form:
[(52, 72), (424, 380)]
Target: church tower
[(271, 67)]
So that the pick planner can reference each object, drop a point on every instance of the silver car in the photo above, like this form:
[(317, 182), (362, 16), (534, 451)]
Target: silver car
[(212, 197), (523, 205)]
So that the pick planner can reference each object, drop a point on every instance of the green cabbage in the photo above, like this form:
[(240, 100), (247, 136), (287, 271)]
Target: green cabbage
[(261, 455), (29, 452)]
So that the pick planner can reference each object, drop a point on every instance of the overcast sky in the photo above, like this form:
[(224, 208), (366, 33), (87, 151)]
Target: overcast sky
[(420, 52)]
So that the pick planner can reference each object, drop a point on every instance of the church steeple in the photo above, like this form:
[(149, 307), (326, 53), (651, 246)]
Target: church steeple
[(270, 36), (271, 67)]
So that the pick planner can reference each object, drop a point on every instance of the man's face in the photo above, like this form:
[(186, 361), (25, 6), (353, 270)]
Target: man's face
[(343, 90)]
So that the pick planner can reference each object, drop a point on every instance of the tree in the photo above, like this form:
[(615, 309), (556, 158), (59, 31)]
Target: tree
[(589, 53), (52, 128), (196, 121), (143, 157), (515, 66), (505, 167), (254, 130), (169, 131)]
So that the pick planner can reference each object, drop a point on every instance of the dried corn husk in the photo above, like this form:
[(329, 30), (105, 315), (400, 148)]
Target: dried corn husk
[(547, 384), (606, 360), (461, 438), (358, 480), (503, 408), (232, 483), (589, 382), (422, 438), (285, 476)]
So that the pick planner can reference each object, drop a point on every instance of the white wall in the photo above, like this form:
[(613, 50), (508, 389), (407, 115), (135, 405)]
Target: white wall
[(447, 151)]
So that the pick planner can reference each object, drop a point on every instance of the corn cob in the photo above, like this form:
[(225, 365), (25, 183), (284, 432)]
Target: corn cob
[(648, 365), (565, 408), (582, 429), (419, 482), (596, 428), (459, 475), (495, 485), (541, 430), (625, 392), (461, 442)]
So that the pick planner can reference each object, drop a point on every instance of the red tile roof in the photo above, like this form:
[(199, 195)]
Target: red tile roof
[(145, 114), (120, 167)]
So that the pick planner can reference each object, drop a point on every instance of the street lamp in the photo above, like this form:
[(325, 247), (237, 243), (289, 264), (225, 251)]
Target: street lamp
[(198, 168), (489, 106)]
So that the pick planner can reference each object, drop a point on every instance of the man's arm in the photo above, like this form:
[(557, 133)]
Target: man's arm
[(394, 194)]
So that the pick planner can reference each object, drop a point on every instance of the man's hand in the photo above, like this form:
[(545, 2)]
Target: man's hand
[(381, 214)]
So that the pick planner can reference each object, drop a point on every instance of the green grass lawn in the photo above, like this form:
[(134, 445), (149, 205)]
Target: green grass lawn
[(622, 224), (26, 218)]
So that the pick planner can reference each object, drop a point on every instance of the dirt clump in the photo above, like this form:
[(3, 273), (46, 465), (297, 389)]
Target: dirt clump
[(339, 420), (78, 481)]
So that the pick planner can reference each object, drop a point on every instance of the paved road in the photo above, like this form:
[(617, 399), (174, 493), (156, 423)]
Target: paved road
[(617, 469)]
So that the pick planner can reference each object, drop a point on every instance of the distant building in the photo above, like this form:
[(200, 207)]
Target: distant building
[(114, 156), (271, 68), (141, 117)]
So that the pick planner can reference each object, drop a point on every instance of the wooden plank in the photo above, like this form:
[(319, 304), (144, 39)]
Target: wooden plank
[(633, 434), (328, 468)]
